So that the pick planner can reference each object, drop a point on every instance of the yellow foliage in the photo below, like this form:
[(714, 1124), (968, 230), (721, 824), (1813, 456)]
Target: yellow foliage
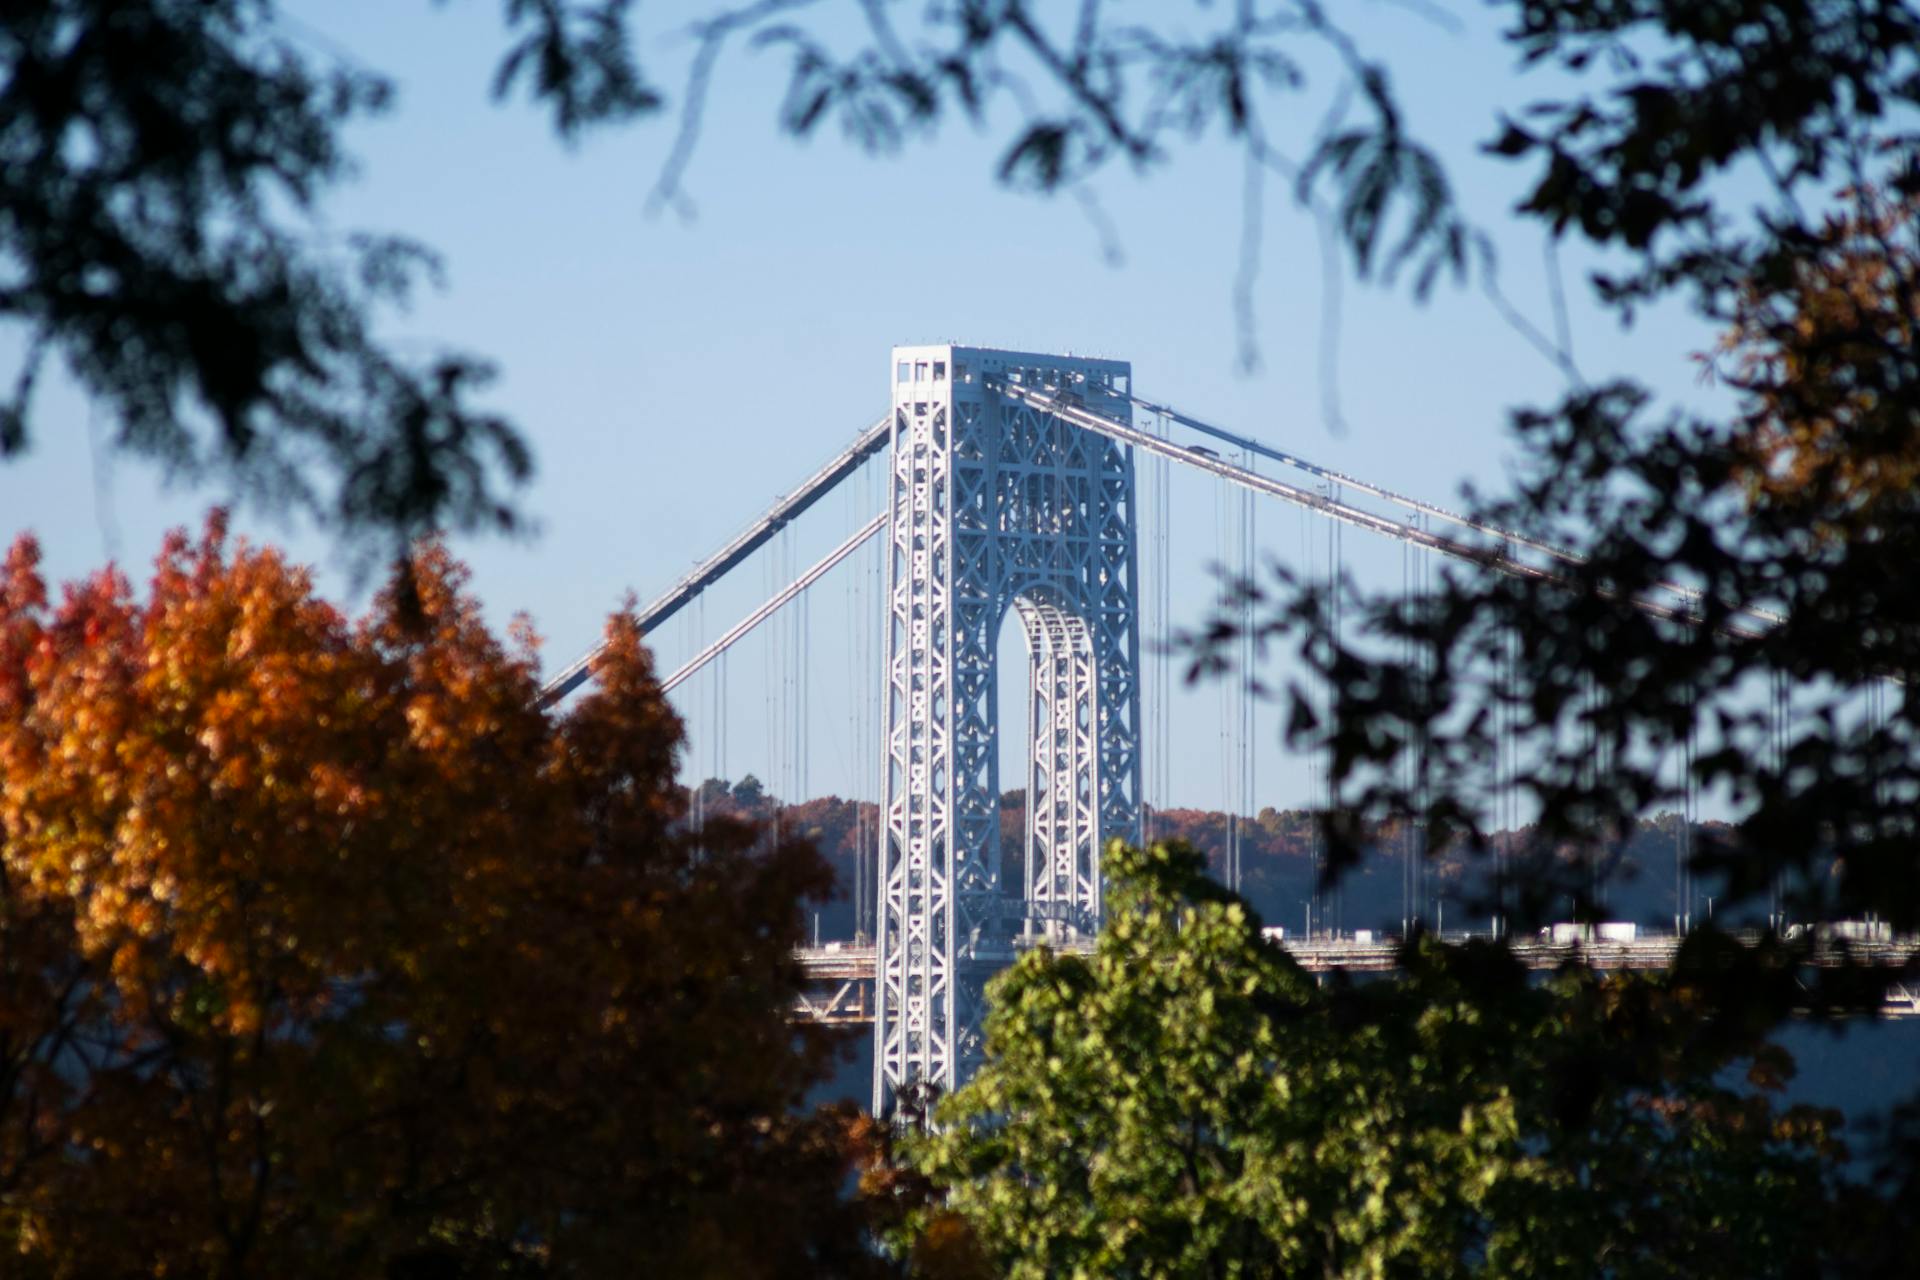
[(1818, 350)]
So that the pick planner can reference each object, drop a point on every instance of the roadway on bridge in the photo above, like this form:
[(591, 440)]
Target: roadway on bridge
[(840, 975)]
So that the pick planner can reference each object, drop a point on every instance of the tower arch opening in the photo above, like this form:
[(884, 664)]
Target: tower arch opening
[(1057, 764)]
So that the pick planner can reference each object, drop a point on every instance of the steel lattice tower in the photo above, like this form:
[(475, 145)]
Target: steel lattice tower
[(997, 506)]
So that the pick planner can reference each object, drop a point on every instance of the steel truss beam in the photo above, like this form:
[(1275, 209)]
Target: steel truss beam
[(996, 507), (1063, 777)]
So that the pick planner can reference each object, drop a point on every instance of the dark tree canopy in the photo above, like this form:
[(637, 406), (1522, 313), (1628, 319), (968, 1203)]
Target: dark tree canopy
[(164, 160), (163, 164), (1757, 161), (160, 161)]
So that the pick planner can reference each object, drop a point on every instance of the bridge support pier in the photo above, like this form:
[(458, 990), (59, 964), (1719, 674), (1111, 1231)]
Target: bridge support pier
[(996, 505)]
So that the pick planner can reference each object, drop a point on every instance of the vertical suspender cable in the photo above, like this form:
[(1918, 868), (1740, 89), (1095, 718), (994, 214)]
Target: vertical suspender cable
[(802, 695), (783, 687), (1335, 560), (1590, 768), (1154, 598), (1508, 751), (1224, 691), (1876, 717), (1407, 914), (788, 692), (770, 678), (1683, 842), (1236, 693), (1148, 581), (867, 855), (1314, 914), (1505, 783), (1249, 744), (720, 710), (1423, 708), (866, 668), (696, 797), (1163, 654), (716, 727), (856, 655), (1149, 635)]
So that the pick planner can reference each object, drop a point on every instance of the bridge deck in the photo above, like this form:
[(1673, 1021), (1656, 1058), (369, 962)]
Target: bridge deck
[(840, 975)]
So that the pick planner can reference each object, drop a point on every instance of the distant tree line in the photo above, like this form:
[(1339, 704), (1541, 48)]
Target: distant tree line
[(1634, 878)]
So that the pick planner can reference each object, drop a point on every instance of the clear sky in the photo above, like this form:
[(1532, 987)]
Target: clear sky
[(674, 375)]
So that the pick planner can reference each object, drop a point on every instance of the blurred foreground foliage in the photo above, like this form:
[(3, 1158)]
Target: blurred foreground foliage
[(165, 167)]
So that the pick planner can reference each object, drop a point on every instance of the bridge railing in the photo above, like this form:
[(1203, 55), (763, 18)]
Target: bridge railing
[(840, 975)]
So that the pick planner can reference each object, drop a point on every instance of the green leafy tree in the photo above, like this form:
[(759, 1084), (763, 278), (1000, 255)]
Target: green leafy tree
[(1186, 1101)]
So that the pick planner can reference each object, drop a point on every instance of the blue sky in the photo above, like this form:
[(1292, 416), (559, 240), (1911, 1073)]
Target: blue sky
[(674, 375)]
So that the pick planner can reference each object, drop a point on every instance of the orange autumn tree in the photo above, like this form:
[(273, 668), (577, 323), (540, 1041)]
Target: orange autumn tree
[(323, 951), (1821, 340)]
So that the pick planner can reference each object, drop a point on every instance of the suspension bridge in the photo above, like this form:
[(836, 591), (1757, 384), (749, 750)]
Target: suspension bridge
[(1011, 491)]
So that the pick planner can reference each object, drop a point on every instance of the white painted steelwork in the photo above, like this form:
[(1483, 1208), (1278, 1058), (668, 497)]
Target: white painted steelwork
[(1063, 777), (997, 505)]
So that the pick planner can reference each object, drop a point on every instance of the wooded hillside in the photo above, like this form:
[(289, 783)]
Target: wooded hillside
[(1278, 861)]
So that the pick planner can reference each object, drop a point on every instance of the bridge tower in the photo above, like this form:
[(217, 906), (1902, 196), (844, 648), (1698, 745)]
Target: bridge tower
[(997, 507)]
